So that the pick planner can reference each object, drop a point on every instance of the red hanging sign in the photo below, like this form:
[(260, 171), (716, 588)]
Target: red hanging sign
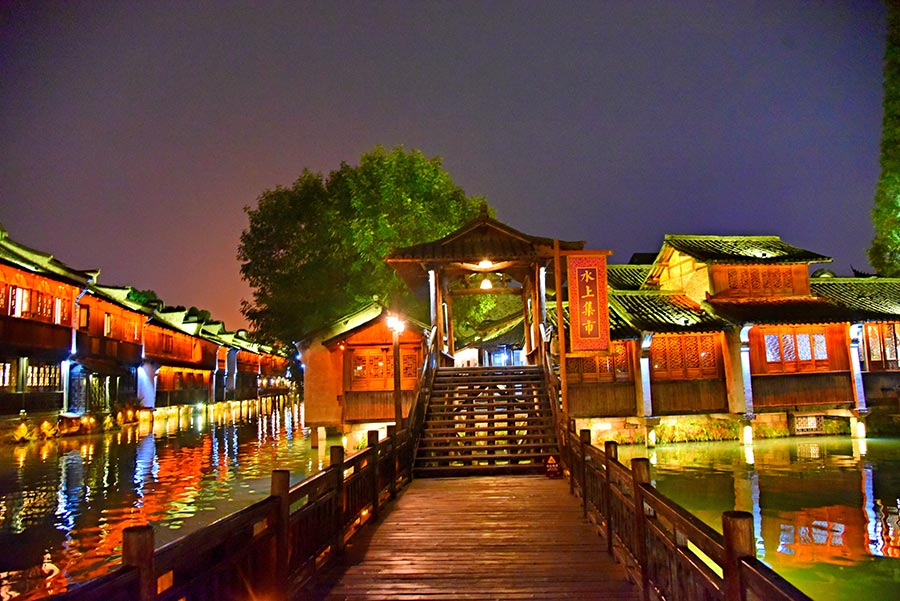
[(588, 308)]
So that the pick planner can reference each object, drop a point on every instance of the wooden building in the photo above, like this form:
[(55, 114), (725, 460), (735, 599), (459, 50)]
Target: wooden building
[(69, 344), (729, 327), (348, 370)]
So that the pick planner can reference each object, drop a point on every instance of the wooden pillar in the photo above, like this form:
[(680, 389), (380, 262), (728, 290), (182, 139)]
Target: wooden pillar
[(372, 441), (337, 464), (737, 531), (392, 464), (854, 336), (561, 328), (611, 452), (398, 394), (640, 474), (644, 394), (281, 488), (528, 320), (137, 552), (451, 344), (584, 437)]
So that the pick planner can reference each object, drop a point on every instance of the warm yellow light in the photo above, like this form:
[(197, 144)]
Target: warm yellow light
[(395, 324), (486, 284), (485, 264), (747, 435)]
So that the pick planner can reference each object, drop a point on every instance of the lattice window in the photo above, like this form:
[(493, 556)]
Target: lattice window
[(804, 349), (773, 348), (685, 356), (882, 342), (692, 352), (615, 367), (410, 366), (43, 377), (797, 348), (756, 280), (373, 368), (708, 352), (820, 346), (873, 341), (5, 375)]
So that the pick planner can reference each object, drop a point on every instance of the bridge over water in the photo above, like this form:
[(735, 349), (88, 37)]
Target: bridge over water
[(364, 529), (488, 537)]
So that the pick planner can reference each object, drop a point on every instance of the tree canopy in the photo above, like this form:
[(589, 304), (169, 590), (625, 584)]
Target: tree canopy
[(315, 251), (884, 253)]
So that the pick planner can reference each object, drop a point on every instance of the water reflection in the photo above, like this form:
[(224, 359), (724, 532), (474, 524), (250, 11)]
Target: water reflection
[(825, 509), (65, 502)]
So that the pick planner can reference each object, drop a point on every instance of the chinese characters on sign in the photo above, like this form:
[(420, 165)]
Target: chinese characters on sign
[(588, 310)]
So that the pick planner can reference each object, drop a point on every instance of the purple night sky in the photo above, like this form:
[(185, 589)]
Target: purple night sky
[(132, 134)]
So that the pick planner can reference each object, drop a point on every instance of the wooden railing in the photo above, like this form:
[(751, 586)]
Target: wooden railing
[(668, 551), (274, 548)]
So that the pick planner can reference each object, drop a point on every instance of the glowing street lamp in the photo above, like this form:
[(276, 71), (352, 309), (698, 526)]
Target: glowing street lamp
[(396, 325)]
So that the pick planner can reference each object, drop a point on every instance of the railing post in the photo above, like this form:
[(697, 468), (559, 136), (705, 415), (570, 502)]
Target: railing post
[(137, 552), (611, 450), (281, 487), (640, 474), (573, 469), (585, 440), (337, 464), (737, 532), (392, 464), (373, 460)]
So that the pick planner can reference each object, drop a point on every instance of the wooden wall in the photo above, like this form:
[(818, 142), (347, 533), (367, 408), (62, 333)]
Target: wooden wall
[(602, 400), (374, 406), (791, 390), (678, 397)]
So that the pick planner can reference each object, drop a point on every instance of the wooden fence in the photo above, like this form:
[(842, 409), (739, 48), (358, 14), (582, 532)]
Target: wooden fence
[(669, 552), (271, 549)]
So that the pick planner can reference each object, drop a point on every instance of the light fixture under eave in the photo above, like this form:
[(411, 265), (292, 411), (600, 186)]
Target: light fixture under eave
[(486, 284), (395, 324), (485, 264)]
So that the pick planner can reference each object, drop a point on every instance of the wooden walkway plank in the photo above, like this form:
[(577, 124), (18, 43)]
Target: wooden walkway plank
[(492, 537)]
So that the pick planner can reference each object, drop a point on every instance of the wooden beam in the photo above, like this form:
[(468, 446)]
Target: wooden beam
[(470, 291)]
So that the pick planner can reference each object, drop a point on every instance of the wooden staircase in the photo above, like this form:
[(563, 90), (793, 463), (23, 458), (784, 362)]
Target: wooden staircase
[(486, 420)]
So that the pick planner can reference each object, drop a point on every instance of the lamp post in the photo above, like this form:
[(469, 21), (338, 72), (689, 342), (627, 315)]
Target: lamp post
[(396, 325)]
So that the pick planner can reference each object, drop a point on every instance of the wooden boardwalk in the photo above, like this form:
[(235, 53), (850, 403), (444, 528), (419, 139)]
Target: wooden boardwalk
[(492, 537)]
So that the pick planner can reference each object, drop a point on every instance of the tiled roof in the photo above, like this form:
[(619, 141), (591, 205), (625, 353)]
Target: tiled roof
[(774, 310), (656, 311), (872, 298), (20, 255), (482, 238), (619, 328), (627, 277), (742, 249)]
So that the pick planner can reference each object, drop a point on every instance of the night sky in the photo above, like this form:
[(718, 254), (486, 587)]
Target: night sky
[(132, 134)]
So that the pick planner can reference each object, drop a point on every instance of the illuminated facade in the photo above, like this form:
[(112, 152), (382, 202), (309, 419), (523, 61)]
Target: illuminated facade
[(349, 370), (69, 344)]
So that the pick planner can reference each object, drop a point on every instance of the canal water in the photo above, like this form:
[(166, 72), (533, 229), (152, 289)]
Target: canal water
[(65, 502), (825, 508)]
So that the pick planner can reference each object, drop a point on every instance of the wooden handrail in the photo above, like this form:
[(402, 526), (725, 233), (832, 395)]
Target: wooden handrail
[(271, 549), (665, 548), (274, 547)]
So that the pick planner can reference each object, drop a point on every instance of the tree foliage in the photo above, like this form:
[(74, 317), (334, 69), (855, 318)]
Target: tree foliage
[(315, 251), (884, 253)]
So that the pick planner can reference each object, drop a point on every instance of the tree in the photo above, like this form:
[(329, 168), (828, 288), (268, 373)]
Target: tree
[(884, 254), (315, 251)]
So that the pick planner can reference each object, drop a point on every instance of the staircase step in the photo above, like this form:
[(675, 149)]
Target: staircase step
[(479, 470), (486, 420), (476, 459), (452, 436)]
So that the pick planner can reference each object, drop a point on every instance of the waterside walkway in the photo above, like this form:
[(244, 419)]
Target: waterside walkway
[(494, 537)]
